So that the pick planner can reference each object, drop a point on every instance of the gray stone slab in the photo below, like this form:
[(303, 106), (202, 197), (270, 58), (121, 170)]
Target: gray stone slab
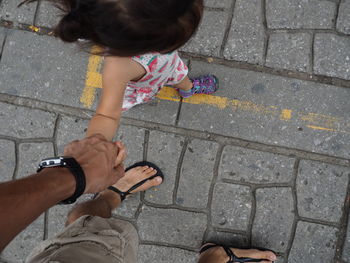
[(254, 106), (296, 14), (70, 129), (128, 207), (346, 249), (148, 111), (7, 160), (57, 216), (218, 3), (313, 243), (209, 38), (229, 239), (10, 12), (164, 150), (343, 22), (43, 68), (133, 138), (321, 190), (231, 206), (197, 174), (152, 253), (23, 244), (247, 34), (252, 166), (23, 123), (172, 226), (274, 217), (289, 51), (332, 55), (30, 154), (48, 15)]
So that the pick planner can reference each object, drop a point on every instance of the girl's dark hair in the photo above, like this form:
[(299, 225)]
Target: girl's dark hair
[(130, 27)]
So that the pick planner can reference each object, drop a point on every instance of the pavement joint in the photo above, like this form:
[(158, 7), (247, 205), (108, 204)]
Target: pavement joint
[(178, 170), (227, 28)]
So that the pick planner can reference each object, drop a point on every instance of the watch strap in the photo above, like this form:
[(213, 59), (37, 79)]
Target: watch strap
[(79, 175)]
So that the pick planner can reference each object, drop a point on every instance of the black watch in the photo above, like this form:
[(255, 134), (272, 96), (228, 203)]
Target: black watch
[(74, 167)]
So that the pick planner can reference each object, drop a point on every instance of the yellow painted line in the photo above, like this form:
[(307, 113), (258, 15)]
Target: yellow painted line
[(286, 115), (311, 120), (320, 128)]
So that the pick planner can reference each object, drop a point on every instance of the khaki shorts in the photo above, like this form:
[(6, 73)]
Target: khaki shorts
[(90, 239)]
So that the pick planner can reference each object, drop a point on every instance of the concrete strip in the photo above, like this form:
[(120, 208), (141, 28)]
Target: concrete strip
[(272, 110)]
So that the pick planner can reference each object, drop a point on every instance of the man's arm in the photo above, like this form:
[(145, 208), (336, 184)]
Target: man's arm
[(23, 200)]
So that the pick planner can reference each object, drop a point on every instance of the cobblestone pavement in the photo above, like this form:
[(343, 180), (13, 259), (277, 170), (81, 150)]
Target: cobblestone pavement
[(264, 162)]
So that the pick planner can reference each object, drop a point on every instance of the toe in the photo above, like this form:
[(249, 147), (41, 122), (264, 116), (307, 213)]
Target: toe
[(270, 256)]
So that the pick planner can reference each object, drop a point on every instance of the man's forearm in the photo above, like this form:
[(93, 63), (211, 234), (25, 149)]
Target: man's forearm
[(23, 200)]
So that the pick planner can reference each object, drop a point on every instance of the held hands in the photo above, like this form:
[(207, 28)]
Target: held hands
[(102, 161)]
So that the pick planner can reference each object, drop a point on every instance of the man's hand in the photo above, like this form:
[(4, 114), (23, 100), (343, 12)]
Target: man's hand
[(102, 161)]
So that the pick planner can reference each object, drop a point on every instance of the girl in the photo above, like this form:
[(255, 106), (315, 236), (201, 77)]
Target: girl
[(139, 39)]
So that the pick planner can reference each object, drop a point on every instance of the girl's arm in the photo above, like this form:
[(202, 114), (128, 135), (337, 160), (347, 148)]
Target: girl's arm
[(117, 72)]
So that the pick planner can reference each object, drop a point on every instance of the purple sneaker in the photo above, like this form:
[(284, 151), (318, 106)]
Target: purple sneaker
[(206, 84)]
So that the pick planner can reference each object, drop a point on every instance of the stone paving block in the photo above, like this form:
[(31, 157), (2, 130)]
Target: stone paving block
[(197, 174), (164, 150), (296, 14), (10, 12), (152, 253), (332, 55), (229, 239), (313, 243), (57, 216), (48, 15), (346, 249), (231, 206), (252, 166), (252, 106), (343, 23), (7, 160), (289, 51), (43, 68), (247, 34), (70, 129), (321, 190), (208, 39), (133, 138), (165, 111), (129, 207), (23, 244), (218, 3), (22, 123), (30, 154), (274, 218), (172, 226)]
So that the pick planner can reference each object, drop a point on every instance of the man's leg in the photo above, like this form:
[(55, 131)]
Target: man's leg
[(108, 200)]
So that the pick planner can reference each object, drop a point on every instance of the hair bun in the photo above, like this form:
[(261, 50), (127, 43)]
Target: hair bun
[(69, 28)]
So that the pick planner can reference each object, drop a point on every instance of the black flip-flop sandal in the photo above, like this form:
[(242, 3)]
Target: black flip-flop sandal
[(123, 195), (233, 257)]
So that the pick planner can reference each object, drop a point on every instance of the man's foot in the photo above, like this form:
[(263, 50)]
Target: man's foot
[(135, 175), (206, 84), (217, 254)]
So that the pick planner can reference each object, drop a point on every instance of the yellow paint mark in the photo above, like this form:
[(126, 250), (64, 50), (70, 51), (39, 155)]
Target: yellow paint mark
[(168, 93), (34, 28), (315, 119), (93, 79), (286, 115), (250, 106), (215, 101), (320, 128)]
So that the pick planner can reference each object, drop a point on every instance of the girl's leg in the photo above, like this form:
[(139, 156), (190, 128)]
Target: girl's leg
[(186, 84)]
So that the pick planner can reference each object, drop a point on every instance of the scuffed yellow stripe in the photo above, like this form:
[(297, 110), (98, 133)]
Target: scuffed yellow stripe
[(320, 128), (286, 115)]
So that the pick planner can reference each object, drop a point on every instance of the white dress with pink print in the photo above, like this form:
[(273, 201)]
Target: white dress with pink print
[(161, 70)]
